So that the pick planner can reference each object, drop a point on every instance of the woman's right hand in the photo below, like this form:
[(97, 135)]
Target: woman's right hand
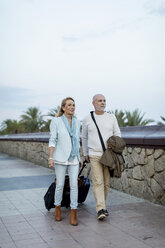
[(51, 163)]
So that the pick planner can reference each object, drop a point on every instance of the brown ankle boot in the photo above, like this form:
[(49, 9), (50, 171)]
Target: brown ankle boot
[(58, 213), (73, 217)]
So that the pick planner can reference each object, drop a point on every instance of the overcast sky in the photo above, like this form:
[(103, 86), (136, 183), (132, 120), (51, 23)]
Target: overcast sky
[(51, 49)]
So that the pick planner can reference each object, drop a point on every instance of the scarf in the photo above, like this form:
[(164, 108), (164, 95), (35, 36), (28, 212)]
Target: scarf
[(72, 133)]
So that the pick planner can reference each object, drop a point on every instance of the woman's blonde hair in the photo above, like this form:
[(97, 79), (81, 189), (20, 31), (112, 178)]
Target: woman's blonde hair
[(61, 111)]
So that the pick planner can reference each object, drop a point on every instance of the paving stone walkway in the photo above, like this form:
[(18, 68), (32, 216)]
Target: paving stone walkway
[(25, 223)]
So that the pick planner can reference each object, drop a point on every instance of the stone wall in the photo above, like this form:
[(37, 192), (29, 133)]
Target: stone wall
[(35, 152), (144, 174)]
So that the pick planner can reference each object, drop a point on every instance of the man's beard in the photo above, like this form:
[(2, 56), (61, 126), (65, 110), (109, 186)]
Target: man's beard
[(100, 109)]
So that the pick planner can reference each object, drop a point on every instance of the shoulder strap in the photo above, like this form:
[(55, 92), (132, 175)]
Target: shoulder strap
[(100, 136)]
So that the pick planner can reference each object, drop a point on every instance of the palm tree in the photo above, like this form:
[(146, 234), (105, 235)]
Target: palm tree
[(163, 119), (11, 126), (32, 119), (53, 112), (121, 118), (46, 124), (136, 118)]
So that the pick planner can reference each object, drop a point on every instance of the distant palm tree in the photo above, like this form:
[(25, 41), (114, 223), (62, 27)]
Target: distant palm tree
[(53, 112), (32, 119), (11, 126), (136, 118), (127, 118), (121, 118), (163, 119), (46, 124)]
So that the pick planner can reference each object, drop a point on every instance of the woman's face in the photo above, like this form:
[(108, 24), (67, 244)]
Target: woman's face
[(69, 107)]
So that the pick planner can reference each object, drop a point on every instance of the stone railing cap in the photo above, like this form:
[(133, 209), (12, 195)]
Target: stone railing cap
[(147, 136)]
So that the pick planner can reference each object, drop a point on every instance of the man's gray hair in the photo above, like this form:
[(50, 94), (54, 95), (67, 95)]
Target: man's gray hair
[(95, 96)]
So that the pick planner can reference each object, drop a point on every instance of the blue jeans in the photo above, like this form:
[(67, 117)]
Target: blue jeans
[(60, 171)]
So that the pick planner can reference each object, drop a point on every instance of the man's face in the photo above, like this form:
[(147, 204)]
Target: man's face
[(99, 103)]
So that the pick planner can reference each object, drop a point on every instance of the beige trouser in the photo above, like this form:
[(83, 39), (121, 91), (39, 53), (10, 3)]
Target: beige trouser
[(100, 181)]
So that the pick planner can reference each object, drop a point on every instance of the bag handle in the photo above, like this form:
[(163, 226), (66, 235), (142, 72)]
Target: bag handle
[(100, 136), (84, 164)]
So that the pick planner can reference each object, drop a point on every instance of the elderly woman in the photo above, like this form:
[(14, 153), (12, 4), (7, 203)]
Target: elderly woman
[(64, 153)]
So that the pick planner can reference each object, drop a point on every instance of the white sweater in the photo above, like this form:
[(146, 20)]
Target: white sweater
[(108, 126)]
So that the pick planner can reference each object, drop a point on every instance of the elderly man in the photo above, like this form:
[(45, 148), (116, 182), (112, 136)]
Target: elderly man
[(92, 150)]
